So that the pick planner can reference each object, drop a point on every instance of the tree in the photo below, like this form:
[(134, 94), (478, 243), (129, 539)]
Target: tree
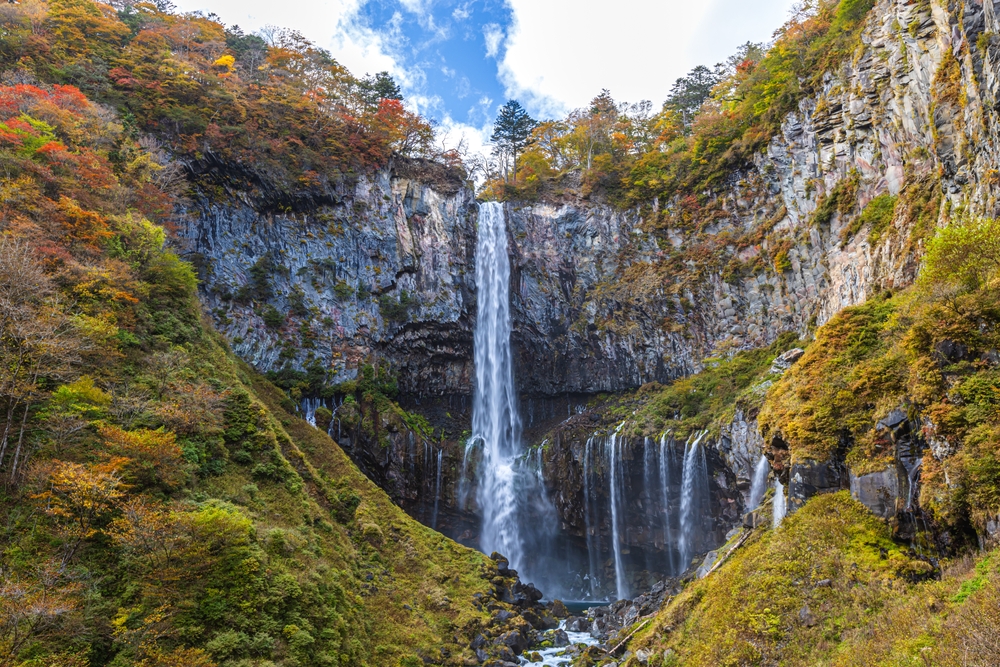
[(380, 87), (689, 92), (512, 130)]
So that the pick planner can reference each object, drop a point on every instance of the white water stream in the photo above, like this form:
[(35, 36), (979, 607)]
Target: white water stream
[(779, 503), (557, 656), (495, 422), (758, 486)]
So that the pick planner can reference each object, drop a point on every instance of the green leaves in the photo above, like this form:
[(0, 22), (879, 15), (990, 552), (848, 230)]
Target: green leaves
[(963, 256)]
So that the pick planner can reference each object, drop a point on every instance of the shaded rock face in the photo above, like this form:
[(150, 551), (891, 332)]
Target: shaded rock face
[(577, 466), (878, 491), (386, 270)]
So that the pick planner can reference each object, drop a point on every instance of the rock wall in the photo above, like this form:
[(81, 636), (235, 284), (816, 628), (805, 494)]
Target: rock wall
[(385, 271), (913, 111)]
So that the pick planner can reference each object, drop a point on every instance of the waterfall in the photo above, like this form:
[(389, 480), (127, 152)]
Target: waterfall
[(694, 484), (911, 483), (463, 482), (668, 538), (758, 485), (779, 503), (494, 412), (437, 491), (616, 501), (592, 552), (308, 409)]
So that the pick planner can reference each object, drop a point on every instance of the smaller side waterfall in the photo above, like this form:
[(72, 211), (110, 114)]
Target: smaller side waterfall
[(617, 514), (437, 491), (694, 486), (668, 537), (589, 518), (779, 503), (758, 484)]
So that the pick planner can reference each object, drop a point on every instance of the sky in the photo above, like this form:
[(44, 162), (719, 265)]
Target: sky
[(458, 61)]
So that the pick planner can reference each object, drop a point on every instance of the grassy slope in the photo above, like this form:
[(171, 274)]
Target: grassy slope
[(170, 511), (829, 587)]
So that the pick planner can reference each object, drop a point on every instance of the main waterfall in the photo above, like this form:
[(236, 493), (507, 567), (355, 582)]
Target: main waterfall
[(496, 426)]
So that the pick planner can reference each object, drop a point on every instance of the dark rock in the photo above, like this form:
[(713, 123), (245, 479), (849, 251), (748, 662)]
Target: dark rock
[(811, 478), (557, 637), (502, 617), (577, 624), (824, 583), (951, 352), (558, 609), (878, 491), (514, 640)]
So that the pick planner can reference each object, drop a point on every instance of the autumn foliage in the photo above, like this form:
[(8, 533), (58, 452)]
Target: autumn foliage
[(632, 153), (279, 107)]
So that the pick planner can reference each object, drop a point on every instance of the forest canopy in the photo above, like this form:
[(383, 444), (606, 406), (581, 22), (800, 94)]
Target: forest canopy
[(714, 121), (217, 95)]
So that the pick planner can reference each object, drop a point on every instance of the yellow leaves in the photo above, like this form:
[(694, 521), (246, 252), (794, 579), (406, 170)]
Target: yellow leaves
[(112, 284), (226, 63), (82, 495), (81, 225), (149, 457)]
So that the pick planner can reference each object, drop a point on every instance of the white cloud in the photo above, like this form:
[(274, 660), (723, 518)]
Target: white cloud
[(493, 34), (461, 13), (561, 53), (332, 24)]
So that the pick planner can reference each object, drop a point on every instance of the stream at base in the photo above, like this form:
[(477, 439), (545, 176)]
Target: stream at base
[(559, 655)]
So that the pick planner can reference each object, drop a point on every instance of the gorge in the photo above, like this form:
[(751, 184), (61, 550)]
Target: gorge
[(285, 383)]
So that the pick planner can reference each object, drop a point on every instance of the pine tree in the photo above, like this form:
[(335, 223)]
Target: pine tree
[(512, 130), (380, 87)]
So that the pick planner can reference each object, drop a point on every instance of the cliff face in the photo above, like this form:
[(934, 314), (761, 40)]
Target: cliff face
[(609, 300), (385, 272), (604, 299)]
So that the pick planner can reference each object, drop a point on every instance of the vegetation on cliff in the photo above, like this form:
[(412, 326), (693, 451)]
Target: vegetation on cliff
[(829, 587), (929, 351), (712, 125), (246, 111)]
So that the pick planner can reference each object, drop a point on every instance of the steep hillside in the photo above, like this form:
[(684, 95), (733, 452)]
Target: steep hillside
[(162, 506)]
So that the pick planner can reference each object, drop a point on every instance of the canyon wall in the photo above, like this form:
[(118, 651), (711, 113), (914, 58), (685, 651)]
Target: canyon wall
[(606, 300)]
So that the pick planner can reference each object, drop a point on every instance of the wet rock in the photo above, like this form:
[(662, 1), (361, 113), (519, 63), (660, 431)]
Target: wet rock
[(557, 637), (558, 609), (810, 478), (577, 624)]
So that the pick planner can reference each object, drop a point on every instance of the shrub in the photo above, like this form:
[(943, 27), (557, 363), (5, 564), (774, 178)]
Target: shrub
[(965, 255)]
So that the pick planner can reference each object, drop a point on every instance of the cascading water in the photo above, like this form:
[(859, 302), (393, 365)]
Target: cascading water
[(617, 501), (437, 491), (665, 454), (694, 485), (589, 516), (779, 503), (758, 485), (495, 422)]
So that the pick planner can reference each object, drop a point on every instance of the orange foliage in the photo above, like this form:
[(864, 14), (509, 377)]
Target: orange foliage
[(82, 495), (148, 457)]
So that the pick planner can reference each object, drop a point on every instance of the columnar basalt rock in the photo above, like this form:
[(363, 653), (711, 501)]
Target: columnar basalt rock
[(385, 272)]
